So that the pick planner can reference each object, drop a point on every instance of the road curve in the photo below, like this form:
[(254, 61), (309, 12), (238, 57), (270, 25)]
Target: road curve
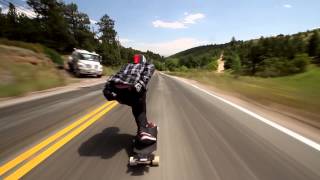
[(200, 137)]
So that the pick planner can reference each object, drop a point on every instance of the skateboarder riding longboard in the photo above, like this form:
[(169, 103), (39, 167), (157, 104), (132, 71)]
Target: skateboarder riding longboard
[(129, 87)]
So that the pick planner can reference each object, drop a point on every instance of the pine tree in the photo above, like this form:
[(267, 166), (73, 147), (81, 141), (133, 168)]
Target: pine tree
[(314, 45)]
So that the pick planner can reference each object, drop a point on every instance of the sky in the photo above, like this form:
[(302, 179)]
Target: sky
[(170, 26)]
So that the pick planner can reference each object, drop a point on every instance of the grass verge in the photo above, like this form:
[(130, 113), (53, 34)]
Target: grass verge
[(23, 71), (108, 71), (37, 48)]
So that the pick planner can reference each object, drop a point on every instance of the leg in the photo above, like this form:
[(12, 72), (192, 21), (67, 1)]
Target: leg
[(139, 111)]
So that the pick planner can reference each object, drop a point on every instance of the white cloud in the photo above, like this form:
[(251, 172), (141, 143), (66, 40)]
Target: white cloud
[(287, 6), (189, 19), (93, 21), (125, 40), (192, 18), (168, 47), (22, 10), (169, 25)]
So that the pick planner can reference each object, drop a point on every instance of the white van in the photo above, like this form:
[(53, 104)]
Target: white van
[(83, 62)]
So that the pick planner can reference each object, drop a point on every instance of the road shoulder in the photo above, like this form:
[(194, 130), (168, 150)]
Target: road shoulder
[(275, 113), (87, 82)]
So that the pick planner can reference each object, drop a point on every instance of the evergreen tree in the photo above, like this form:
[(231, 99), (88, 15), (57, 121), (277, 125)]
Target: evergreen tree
[(236, 65), (54, 26), (314, 45), (106, 28), (11, 22), (110, 48), (79, 25)]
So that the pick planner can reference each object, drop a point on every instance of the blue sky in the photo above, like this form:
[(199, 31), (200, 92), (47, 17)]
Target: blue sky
[(169, 26)]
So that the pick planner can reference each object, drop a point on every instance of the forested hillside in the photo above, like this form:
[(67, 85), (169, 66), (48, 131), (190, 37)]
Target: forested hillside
[(267, 56)]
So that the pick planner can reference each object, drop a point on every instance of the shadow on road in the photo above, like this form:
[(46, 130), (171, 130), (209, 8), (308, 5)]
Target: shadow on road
[(137, 170), (107, 144)]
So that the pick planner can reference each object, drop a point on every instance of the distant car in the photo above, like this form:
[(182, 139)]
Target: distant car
[(83, 62)]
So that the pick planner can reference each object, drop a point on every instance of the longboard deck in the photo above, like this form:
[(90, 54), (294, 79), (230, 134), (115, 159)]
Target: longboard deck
[(143, 154), (144, 149)]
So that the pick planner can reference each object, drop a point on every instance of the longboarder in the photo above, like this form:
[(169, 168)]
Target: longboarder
[(129, 87)]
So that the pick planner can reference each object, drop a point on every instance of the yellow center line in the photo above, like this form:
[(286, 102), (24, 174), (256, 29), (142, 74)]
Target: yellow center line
[(45, 154), (25, 155)]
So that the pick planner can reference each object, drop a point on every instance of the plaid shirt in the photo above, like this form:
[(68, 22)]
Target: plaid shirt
[(133, 73)]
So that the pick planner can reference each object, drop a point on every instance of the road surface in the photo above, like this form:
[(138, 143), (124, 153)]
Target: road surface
[(200, 137)]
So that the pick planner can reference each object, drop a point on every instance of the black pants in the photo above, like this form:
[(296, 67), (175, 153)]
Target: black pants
[(137, 101)]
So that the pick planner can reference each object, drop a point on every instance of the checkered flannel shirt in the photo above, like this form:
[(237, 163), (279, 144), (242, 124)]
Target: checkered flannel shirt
[(134, 73)]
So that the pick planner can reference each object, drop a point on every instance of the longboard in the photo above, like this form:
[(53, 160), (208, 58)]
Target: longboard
[(143, 154)]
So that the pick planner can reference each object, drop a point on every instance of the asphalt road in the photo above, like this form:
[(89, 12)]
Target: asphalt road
[(200, 137)]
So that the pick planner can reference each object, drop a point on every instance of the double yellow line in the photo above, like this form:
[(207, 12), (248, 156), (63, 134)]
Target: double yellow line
[(68, 132)]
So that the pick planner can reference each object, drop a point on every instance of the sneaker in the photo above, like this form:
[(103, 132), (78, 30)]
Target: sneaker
[(151, 125), (146, 138)]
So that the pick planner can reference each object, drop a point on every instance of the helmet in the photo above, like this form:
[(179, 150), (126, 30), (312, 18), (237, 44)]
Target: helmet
[(139, 58)]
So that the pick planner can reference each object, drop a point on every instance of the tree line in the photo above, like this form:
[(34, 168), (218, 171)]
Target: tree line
[(62, 27), (268, 57)]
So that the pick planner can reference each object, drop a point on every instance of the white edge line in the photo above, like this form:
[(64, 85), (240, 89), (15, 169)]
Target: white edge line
[(287, 131)]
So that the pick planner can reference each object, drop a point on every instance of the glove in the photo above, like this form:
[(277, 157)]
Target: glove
[(108, 92), (138, 87)]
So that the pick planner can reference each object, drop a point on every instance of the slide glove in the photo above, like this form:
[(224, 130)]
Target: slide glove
[(138, 87)]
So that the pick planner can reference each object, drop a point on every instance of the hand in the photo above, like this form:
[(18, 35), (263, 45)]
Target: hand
[(138, 87)]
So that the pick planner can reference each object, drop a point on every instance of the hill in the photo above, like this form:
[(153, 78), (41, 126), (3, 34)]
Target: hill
[(268, 57), (23, 70)]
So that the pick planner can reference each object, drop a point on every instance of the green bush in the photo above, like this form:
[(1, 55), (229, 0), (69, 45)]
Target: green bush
[(273, 67), (301, 62), (212, 66), (236, 64), (182, 69), (54, 56), (172, 64), (159, 65)]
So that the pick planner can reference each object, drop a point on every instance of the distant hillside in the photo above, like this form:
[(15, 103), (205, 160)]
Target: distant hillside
[(271, 56), (215, 49)]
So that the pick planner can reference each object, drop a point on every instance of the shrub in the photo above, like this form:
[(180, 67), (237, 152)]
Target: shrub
[(212, 66), (171, 64), (300, 62), (236, 64), (183, 69), (54, 56), (272, 67)]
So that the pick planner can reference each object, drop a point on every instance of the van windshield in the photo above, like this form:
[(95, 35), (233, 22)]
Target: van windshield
[(89, 57)]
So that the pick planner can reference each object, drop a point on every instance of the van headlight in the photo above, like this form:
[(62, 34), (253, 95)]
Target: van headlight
[(81, 66)]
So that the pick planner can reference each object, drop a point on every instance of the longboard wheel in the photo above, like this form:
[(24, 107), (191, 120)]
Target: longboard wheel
[(155, 161), (131, 161)]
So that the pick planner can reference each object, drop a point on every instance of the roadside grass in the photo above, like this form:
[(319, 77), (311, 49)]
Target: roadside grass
[(107, 71), (37, 48), (300, 91), (23, 71)]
